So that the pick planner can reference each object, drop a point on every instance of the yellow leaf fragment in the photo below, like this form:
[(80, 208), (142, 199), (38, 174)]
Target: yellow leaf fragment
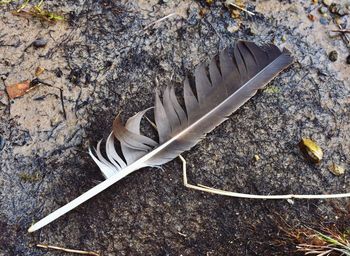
[(311, 149), (39, 70), (336, 169)]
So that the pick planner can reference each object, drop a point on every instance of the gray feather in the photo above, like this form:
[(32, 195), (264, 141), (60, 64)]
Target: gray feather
[(220, 90)]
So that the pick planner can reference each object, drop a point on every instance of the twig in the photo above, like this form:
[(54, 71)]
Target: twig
[(341, 30), (345, 36), (62, 104), (67, 250), (251, 196), (157, 21), (240, 8)]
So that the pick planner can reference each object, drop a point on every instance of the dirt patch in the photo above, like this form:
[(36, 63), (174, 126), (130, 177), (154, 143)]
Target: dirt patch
[(105, 62)]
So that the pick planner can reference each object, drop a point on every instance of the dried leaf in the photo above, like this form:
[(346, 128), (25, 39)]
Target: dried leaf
[(39, 70), (18, 90), (336, 169), (311, 149)]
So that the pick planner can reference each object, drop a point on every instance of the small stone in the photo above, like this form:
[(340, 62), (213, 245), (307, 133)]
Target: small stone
[(203, 12), (39, 42), (256, 157), (311, 17), (333, 56), (284, 38), (290, 201), (2, 142), (327, 2), (336, 169), (324, 21), (233, 28), (343, 11), (348, 59), (323, 10)]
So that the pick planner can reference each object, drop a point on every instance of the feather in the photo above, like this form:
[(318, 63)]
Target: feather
[(220, 89)]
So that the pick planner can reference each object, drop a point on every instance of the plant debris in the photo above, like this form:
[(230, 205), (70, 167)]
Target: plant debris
[(18, 90), (39, 70), (327, 242), (67, 250), (336, 169), (37, 11), (30, 178), (272, 89), (236, 8), (311, 150)]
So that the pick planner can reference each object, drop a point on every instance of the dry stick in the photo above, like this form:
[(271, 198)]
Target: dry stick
[(341, 30), (157, 21), (344, 35), (67, 250), (251, 196), (242, 9)]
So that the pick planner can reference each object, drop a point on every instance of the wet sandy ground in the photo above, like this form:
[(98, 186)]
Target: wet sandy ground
[(105, 62)]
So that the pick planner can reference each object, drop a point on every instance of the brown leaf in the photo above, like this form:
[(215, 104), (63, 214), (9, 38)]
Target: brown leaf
[(17, 90)]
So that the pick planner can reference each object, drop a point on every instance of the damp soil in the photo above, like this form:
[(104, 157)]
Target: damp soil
[(105, 62)]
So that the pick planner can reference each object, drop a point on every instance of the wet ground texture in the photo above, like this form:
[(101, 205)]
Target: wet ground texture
[(101, 60)]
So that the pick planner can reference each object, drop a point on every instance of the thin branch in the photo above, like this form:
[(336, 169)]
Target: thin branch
[(251, 196), (160, 20), (67, 250), (341, 30), (240, 8)]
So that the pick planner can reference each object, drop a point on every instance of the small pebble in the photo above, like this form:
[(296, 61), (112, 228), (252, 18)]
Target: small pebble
[(311, 17), (343, 11), (348, 59), (333, 56), (40, 42), (290, 201), (2, 142), (232, 28), (203, 12), (324, 21), (284, 38), (327, 2), (323, 10)]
